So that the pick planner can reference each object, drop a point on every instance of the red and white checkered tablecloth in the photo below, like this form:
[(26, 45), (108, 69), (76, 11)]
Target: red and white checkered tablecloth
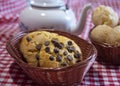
[(12, 75)]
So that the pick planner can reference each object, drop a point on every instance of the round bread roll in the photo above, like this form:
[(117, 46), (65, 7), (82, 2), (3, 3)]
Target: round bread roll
[(117, 29), (47, 49), (100, 33), (105, 15), (114, 37)]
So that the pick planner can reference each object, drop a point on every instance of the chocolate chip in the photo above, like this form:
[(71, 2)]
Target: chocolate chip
[(47, 49), (51, 58), (77, 55), (63, 64), (38, 46), (78, 61), (70, 49), (60, 45), (37, 56), (56, 50), (69, 42), (54, 40), (59, 58), (69, 58), (65, 53), (46, 43), (56, 43), (28, 39)]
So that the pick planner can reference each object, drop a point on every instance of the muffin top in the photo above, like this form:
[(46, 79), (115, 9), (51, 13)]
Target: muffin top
[(47, 49), (104, 15)]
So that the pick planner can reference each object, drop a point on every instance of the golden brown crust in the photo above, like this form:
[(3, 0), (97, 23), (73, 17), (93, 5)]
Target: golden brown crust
[(104, 15), (104, 34), (46, 49)]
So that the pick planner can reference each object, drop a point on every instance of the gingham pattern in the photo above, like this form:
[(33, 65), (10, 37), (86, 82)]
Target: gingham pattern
[(10, 8), (12, 75)]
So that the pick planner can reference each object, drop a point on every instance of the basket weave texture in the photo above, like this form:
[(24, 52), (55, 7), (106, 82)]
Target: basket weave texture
[(109, 55), (55, 76)]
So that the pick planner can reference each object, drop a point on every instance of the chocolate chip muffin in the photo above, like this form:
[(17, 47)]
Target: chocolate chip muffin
[(47, 49)]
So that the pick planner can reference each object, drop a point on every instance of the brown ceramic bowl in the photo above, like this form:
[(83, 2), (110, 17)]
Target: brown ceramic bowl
[(110, 55), (71, 75)]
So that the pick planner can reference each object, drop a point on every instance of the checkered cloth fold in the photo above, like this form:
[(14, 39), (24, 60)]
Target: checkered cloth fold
[(12, 75)]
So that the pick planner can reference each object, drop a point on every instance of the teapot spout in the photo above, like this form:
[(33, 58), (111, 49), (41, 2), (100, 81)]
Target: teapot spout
[(82, 19)]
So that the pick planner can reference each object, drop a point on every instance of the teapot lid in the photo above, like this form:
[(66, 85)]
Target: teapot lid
[(47, 3)]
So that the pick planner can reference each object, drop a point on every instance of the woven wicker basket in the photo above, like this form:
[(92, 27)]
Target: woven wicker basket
[(71, 75), (107, 54)]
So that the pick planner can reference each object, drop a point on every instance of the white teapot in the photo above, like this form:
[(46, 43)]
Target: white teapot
[(52, 14)]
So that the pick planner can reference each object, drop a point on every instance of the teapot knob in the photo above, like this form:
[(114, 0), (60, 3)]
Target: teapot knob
[(67, 4)]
